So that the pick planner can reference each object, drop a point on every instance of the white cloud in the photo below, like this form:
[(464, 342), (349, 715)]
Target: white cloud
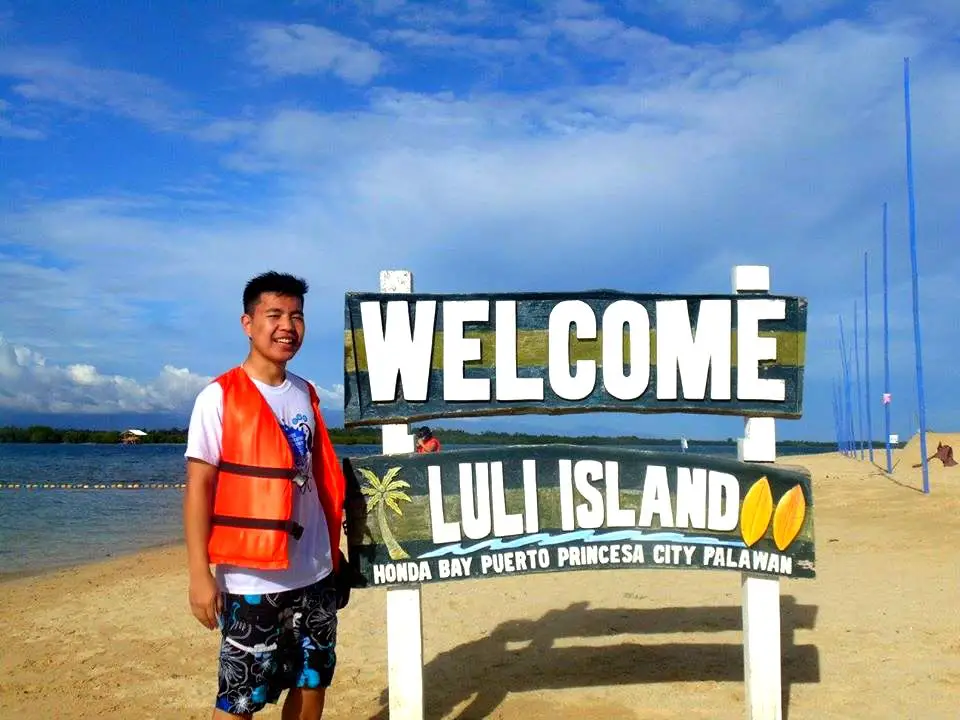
[(28, 383), (48, 76), (459, 14), (802, 10), (701, 14), (710, 143), (10, 129), (220, 131), (332, 397), (302, 49), (639, 164), (476, 47), (577, 8)]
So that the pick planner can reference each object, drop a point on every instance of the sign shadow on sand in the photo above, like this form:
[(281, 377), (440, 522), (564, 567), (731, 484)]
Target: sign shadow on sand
[(523, 655)]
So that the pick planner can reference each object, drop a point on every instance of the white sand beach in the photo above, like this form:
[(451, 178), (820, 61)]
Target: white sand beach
[(876, 634)]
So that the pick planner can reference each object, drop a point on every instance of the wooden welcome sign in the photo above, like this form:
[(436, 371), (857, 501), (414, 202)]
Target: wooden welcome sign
[(465, 514), (551, 508), (427, 356)]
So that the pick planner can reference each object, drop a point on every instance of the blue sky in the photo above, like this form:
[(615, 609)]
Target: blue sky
[(152, 160)]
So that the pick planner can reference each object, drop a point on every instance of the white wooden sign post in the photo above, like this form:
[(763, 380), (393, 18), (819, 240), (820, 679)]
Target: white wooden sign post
[(761, 595), (404, 612)]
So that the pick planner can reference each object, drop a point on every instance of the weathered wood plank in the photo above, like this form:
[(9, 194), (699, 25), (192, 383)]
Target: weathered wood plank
[(532, 349), (552, 508), (397, 367)]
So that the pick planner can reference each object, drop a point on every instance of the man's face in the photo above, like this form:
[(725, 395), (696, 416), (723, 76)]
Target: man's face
[(276, 327)]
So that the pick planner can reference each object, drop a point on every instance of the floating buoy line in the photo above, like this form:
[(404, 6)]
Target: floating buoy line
[(91, 486)]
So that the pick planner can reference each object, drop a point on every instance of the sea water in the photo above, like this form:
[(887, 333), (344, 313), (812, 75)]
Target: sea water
[(48, 528)]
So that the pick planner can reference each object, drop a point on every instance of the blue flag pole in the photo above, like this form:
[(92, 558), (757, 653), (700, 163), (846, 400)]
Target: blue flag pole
[(841, 407), (887, 397), (841, 414), (852, 420), (856, 362), (848, 402), (866, 353), (921, 401), (836, 418)]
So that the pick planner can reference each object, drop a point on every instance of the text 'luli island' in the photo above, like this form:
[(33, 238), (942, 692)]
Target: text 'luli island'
[(590, 499)]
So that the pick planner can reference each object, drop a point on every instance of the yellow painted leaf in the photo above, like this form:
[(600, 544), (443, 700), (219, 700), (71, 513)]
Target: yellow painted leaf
[(788, 517), (390, 475), (392, 504), (755, 511), (371, 478)]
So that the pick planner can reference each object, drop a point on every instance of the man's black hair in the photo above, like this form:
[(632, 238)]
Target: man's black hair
[(272, 282)]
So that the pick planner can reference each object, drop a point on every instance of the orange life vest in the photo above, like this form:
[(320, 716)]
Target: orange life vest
[(251, 523)]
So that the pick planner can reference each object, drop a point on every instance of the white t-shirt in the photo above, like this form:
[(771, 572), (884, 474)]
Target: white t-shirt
[(310, 558)]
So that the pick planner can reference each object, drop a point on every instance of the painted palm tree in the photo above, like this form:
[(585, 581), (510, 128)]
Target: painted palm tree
[(386, 493)]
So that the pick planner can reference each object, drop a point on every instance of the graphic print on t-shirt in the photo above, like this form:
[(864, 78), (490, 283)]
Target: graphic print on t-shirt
[(298, 434)]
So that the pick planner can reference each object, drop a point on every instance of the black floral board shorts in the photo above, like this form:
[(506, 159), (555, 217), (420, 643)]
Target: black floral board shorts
[(276, 641)]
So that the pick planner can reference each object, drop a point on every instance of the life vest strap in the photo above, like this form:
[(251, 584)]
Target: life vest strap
[(289, 526), (257, 471)]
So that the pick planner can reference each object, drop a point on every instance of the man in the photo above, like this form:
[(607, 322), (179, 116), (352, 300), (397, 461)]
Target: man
[(425, 441), (263, 502)]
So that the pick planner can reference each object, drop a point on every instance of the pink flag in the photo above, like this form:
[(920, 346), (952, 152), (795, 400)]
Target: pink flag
[(886, 398)]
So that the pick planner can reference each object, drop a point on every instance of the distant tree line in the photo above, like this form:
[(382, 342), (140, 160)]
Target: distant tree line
[(363, 436), (50, 435)]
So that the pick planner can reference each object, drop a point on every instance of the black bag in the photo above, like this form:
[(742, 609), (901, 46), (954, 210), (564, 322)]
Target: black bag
[(343, 581)]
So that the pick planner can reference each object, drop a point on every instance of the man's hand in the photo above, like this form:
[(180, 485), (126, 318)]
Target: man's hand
[(205, 600)]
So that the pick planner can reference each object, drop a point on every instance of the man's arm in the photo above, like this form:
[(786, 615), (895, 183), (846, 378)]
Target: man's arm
[(197, 508), (203, 456)]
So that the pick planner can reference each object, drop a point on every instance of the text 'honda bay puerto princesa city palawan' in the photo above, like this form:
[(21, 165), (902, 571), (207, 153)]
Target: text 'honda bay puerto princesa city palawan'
[(497, 511), (421, 356)]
